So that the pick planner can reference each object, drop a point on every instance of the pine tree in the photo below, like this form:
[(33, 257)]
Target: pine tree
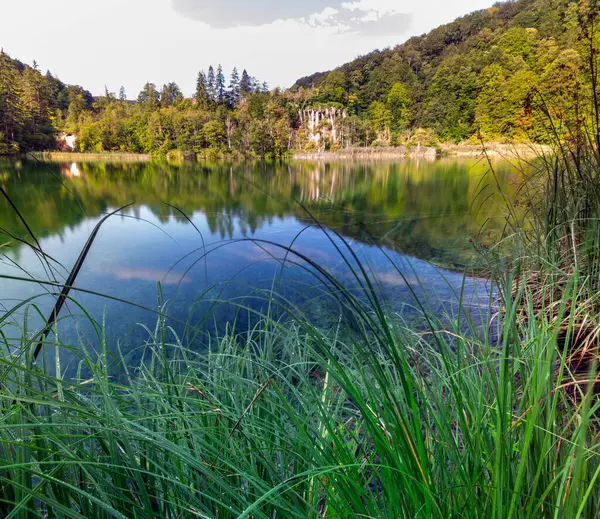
[(31, 97), (170, 95), (254, 85), (245, 84), (211, 85), (220, 86), (234, 88), (149, 96), (38, 131), (202, 95), (11, 111), (265, 87), (164, 97), (77, 105), (122, 94)]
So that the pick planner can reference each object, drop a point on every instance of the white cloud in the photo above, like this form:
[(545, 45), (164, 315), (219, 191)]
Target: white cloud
[(129, 42), (236, 13), (360, 18)]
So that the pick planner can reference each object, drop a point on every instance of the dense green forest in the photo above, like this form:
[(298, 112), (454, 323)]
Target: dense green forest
[(495, 74), (486, 73)]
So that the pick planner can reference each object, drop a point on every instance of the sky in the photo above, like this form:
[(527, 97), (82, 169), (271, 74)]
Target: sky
[(129, 42)]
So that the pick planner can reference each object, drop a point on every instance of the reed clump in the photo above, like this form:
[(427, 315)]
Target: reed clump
[(286, 420), (561, 246)]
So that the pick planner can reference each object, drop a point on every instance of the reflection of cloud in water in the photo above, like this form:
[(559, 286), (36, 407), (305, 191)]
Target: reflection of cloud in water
[(393, 279), (262, 252), (143, 274), (252, 253), (315, 254)]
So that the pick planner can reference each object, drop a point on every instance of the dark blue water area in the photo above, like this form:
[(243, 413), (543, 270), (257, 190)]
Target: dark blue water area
[(213, 280)]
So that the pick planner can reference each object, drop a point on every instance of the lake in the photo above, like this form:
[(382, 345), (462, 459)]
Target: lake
[(223, 256)]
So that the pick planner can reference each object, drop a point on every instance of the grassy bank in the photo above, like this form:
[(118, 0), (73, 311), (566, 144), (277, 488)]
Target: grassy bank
[(491, 150), (60, 156), (370, 153), (494, 150)]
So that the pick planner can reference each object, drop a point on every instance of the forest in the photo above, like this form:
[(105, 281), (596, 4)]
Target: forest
[(514, 72)]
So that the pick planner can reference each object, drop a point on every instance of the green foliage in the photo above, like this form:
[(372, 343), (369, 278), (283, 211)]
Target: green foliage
[(477, 74), (381, 118), (475, 77), (398, 102), (334, 88), (149, 96), (214, 133), (4, 147)]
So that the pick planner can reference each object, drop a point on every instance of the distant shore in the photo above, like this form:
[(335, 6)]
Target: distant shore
[(378, 153), (495, 151), (504, 151), (65, 156)]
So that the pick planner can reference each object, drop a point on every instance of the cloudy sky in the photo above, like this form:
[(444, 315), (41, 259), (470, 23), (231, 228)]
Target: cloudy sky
[(129, 42)]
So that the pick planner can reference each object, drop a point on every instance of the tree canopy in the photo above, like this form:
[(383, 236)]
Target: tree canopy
[(485, 75)]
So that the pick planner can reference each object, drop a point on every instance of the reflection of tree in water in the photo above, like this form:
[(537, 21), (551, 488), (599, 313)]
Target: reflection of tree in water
[(416, 208)]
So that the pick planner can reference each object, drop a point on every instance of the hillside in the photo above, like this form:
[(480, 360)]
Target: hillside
[(473, 74), (34, 106), (498, 74)]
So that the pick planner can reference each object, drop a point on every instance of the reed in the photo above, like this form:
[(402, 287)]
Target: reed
[(367, 419)]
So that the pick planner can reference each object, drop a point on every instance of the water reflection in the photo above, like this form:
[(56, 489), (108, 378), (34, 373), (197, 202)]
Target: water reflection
[(141, 274), (421, 209), (71, 171), (420, 213)]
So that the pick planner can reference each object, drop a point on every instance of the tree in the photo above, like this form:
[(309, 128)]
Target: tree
[(202, 95), (491, 84), (450, 102), (149, 96), (11, 110), (334, 87), (234, 88), (220, 90), (122, 94), (54, 89), (212, 84), (170, 95), (398, 102), (381, 117), (214, 133), (78, 103), (31, 97), (245, 84)]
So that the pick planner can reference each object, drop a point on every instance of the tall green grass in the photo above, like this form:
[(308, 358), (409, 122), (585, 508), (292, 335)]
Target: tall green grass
[(367, 419)]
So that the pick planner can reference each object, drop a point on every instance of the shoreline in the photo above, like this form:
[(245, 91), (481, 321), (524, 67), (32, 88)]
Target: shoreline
[(492, 150), (67, 156), (496, 150), (381, 153)]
